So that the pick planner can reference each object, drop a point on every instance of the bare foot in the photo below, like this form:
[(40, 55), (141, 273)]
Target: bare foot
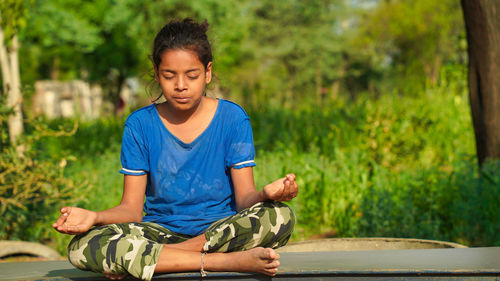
[(260, 260)]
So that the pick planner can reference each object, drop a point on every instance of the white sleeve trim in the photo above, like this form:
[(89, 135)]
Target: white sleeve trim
[(243, 163), (133, 171)]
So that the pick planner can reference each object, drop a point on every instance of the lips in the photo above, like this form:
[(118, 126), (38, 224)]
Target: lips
[(182, 99)]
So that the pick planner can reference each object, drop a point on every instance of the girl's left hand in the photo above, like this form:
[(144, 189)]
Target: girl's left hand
[(284, 189)]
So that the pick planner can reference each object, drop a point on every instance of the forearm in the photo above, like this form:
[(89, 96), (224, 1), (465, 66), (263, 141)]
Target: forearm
[(246, 194), (74, 220), (284, 189), (250, 199), (119, 214), (130, 207)]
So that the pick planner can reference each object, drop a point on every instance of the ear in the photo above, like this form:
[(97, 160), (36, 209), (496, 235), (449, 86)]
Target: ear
[(208, 73)]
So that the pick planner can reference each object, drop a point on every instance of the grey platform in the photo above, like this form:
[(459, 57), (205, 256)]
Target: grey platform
[(428, 264)]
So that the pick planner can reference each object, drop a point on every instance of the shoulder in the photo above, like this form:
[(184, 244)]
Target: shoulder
[(141, 116), (233, 111)]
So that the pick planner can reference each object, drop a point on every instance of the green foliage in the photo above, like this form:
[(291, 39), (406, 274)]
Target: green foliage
[(475, 214), (459, 206), (399, 131), (351, 197), (13, 17), (50, 51), (398, 166), (313, 76), (414, 38), (92, 138), (265, 52), (32, 188), (289, 48)]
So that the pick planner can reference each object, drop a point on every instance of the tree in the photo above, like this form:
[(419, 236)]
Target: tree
[(12, 18), (60, 32), (415, 38), (483, 36), (277, 52), (102, 41)]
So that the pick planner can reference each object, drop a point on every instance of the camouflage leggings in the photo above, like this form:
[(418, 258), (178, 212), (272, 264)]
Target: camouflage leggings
[(134, 248)]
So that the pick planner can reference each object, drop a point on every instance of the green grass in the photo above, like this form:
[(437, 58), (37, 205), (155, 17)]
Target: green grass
[(398, 166)]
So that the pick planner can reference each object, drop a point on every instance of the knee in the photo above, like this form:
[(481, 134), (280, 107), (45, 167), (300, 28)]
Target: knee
[(279, 210), (265, 224), (76, 250), (281, 224), (284, 216), (281, 217), (85, 249)]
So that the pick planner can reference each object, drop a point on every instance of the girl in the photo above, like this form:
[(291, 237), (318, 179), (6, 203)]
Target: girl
[(188, 166)]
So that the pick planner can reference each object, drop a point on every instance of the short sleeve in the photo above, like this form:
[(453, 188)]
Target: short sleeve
[(134, 153), (241, 150)]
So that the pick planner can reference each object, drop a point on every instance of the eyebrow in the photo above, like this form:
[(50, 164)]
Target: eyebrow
[(172, 71)]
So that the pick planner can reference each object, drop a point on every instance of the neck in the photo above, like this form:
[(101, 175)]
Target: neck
[(175, 116)]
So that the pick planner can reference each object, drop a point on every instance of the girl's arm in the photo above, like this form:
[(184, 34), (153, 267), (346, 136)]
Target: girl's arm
[(284, 189), (75, 220)]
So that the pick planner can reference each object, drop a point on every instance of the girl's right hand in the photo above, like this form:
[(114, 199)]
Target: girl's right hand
[(75, 220)]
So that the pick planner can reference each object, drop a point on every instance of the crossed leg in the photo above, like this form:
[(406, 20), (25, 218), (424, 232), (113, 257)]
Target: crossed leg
[(186, 256), (267, 224), (240, 243)]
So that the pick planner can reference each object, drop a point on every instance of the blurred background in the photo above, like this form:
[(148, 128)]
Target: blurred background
[(365, 101)]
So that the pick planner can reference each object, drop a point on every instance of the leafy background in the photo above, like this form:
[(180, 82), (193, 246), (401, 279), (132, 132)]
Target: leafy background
[(366, 101)]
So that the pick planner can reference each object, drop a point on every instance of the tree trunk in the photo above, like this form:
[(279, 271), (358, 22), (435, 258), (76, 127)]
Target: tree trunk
[(54, 71), (435, 69), (12, 84), (4, 62), (482, 22)]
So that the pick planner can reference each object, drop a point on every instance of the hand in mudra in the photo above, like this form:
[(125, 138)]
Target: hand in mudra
[(284, 189), (75, 220)]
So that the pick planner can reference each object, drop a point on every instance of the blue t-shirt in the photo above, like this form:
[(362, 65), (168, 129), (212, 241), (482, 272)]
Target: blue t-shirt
[(189, 184)]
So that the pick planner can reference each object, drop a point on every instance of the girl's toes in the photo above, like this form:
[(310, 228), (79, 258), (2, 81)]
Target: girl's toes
[(271, 254), (273, 264), (272, 271), (266, 254)]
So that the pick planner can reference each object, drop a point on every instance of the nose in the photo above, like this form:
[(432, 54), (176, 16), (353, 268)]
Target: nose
[(181, 84)]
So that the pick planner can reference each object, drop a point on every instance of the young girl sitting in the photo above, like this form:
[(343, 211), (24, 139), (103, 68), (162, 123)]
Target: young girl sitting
[(188, 166)]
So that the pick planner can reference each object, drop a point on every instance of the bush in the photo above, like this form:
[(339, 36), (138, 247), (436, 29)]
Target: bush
[(393, 166), (350, 197), (31, 189)]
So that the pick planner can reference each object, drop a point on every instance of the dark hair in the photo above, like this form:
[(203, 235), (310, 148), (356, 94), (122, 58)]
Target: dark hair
[(183, 34)]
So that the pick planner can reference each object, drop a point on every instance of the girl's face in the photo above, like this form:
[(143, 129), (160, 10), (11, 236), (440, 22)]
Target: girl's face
[(182, 78)]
